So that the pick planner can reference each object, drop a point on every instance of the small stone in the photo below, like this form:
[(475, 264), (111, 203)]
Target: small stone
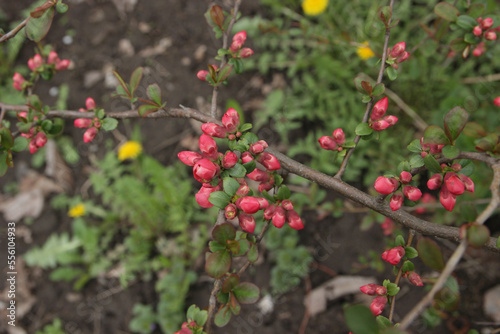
[(126, 48), (491, 303), (200, 52)]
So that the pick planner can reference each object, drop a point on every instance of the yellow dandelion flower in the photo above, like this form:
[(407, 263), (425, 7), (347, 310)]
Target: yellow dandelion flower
[(364, 52), (129, 150), (76, 211), (314, 7)]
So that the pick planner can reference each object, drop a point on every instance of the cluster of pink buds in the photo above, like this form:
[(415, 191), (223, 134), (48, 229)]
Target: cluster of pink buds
[(282, 212), (92, 125), (389, 185), (229, 128), (37, 137), (38, 65), (451, 184), (188, 328), (237, 49), (430, 148), (202, 75), (485, 31), (333, 143), (397, 54), (269, 161), (379, 302), (378, 120)]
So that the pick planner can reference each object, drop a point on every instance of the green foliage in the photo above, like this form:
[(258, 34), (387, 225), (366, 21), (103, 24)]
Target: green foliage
[(54, 328)]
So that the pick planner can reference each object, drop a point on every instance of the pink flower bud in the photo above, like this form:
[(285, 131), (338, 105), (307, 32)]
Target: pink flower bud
[(377, 305), (477, 31), (490, 35), (339, 136), (435, 182), (37, 62), (40, 139), (412, 193), (204, 194), (231, 120), (396, 202), (189, 158), (373, 289), (53, 58), (258, 175), (379, 108), (202, 75), (62, 65), (294, 220), (487, 23), (393, 255), (454, 184), (229, 160), (246, 157), (18, 81), (82, 123), (89, 103), (405, 177), (388, 226), (415, 279), (230, 211), (279, 217), (478, 51), (402, 58), (205, 170), (208, 147), (287, 204), (248, 204), (238, 41), (265, 186), (246, 52), (32, 146), (214, 130), (269, 161), (258, 147), (247, 222), (390, 119), (381, 290), (398, 49), (496, 101), (327, 143), (269, 212), (447, 199), (468, 183), (380, 125), (90, 134), (264, 204), (243, 190), (456, 167), (385, 185)]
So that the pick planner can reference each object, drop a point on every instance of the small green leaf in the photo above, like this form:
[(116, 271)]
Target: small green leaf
[(61, 7), (37, 28), (363, 129), (366, 98), (223, 232), (383, 322), (3, 163), (476, 10), (253, 253), (109, 123), (154, 93), (283, 193), (408, 266), (230, 282), (466, 22), (218, 263), (223, 316), (379, 89), (245, 127), (416, 161), (6, 139), (458, 44), (403, 166), (475, 130), (122, 84), (215, 246), (20, 144), (446, 11), (135, 79), (238, 171), (435, 135), (454, 122), (201, 318), (450, 152), (224, 73), (246, 293), (250, 166), (432, 164), (230, 185), (392, 73), (360, 320), (430, 254), (220, 199), (478, 235), (410, 252), (147, 109), (415, 146), (244, 245), (392, 289), (385, 14), (400, 241)]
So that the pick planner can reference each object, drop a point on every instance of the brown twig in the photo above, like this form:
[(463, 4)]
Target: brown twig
[(14, 31)]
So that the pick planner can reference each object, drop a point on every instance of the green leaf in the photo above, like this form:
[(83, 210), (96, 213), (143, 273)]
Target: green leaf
[(408, 266), (224, 73), (379, 89), (392, 289), (243, 246), (201, 317), (223, 316), (20, 144), (410, 252), (220, 199), (283, 193), (450, 152), (366, 98), (432, 164), (385, 14), (215, 246), (430, 253), (360, 320), (3, 163), (400, 241), (122, 84), (246, 293), (392, 73), (363, 129), (109, 123), (230, 185), (466, 22), (403, 166), (218, 263), (367, 87), (154, 93), (245, 127), (478, 235), (454, 122), (37, 28), (415, 146), (230, 283), (458, 44), (361, 84), (446, 11), (475, 130), (135, 79), (416, 161), (253, 253), (383, 322), (6, 138), (476, 10), (147, 109), (238, 171), (223, 232), (61, 7), (435, 135), (250, 166)]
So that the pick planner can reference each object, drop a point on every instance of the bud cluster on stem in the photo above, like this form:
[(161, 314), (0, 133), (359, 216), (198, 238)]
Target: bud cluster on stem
[(333, 143), (485, 33), (378, 120), (388, 185)]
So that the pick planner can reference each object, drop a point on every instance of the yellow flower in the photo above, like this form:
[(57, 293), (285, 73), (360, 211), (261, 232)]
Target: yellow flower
[(364, 52), (76, 211), (129, 150), (314, 7)]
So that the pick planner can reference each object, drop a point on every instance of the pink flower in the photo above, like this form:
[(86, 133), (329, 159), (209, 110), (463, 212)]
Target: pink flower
[(208, 147), (229, 160), (496, 101), (258, 175), (40, 139), (238, 41), (231, 120), (269, 161), (35, 62), (90, 134), (204, 194), (258, 147), (405, 177), (82, 123), (385, 185), (89, 103), (391, 119), (380, 125), (398, 49), (205, 170), (454, 184), (294, 220), (393, 255), (377, 305), (202, 75), (403, 57), (415, 279), (246, 52), (246, 157), (62, 65), (373, 289), (189, 158), (477, 31), (18, 81), (32, 146), (287, 204), (396, 202), (487, 23), (327, 143), (243, 190), (379, 109), (185, 329), (412, 193), (447, 199), (339, 136), (468, 183), (279, 217), (490, 35), (248, 204), (214, 130), (269, 212), (52, 58), (435, 182), (247, 222), (230, 211)]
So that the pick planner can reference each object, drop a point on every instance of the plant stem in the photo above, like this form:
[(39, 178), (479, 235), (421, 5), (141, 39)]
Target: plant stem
[(14, 31)]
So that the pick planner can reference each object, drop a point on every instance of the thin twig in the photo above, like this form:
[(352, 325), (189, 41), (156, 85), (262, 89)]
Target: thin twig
[(14, 31), (486, 78)]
